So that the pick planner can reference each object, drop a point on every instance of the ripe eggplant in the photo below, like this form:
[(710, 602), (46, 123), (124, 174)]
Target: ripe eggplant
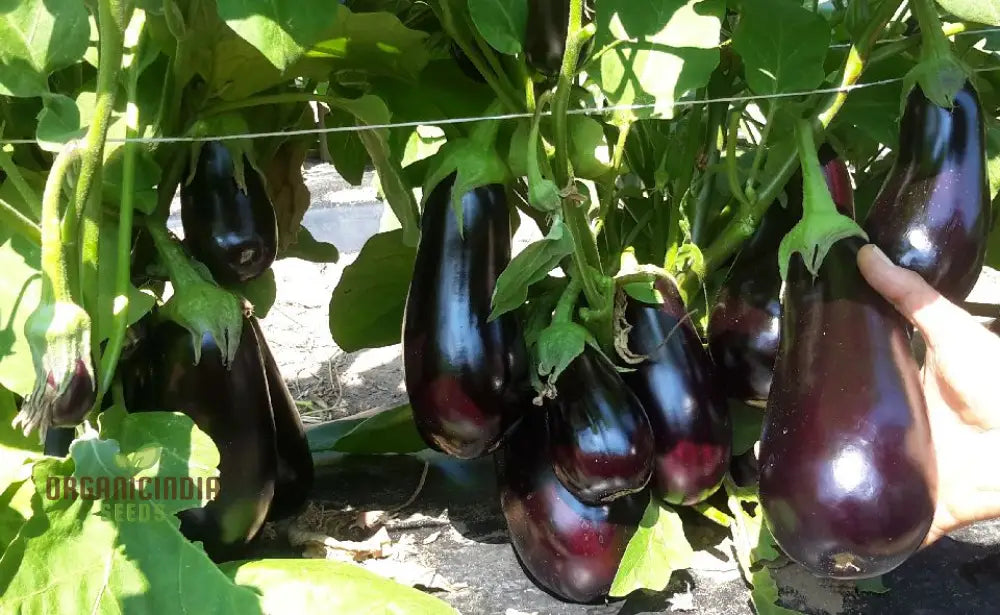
[(232, 232), (601, 440), (548, 22), (569, 548), (744, 325), (932, 214), (465, 376), (295, 471), (233, 407), (847, 469), (465, 64), (681, 392)]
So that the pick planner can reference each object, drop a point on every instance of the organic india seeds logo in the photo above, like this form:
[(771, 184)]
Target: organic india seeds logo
[(129, 495)]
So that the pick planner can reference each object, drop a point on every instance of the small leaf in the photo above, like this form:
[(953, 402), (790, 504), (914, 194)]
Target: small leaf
[(501, 22), (347, 150), (558, 345), (530, 266), (874, 585), (366, 309), (658, 548), (261, 292), (587, 142), (308, 248), (981, 11), (58, 122), (747, 423)]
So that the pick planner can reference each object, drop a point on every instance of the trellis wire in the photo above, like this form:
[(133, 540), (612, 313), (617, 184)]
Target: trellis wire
[(500, 117)]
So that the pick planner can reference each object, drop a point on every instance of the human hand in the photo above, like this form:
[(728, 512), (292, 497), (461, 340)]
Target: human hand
[(962, 388)]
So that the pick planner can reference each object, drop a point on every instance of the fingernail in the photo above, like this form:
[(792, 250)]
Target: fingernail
[(878, 254)]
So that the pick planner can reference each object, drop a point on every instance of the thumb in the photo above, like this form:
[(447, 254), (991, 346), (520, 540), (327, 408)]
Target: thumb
[(938, 319)]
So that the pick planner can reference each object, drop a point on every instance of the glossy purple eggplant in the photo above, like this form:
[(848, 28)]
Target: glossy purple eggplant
[(569, 548), (465, 376), (233, 232), (295, 471), (233, 407), (601, 440), (932, 214), (847, 469), (744, 325), (681, 392)]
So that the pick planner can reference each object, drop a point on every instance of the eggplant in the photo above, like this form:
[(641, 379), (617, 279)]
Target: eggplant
[(295, 471), (848, 475), (678, 386), (545, 43), (568, 548), (744, 324), (932, 214), (465, 375), (233, 232), (233, 407), (601, 440), (465, 64)]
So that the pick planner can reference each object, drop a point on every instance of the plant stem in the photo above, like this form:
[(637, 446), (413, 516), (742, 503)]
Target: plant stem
[(55, 273), (111, 20), (716, 118), (529, 85), (20, 223), (575, 39), (745, 220), (14, 175), (934, 42), (123, 269), (732, 172), (567, 300), (895, 48), (175, 260), (758, 158)]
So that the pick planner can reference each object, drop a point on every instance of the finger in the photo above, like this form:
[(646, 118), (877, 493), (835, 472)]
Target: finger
[(938, 319)]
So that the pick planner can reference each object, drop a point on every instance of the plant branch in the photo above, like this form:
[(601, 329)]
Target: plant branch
[(14, 175), (55, 273)]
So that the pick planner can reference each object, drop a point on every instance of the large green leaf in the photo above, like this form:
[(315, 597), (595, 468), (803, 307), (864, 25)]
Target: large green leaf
[(38, 37), (366, 310), (981, 11), (385, 431), (282, 31), (321, 586), (656, 550), (20, 286), (659, 51), (783, 46), (501, 22)]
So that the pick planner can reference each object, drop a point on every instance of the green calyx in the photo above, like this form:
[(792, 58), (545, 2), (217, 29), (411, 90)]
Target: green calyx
[(58, 334), (240, 150), (198, 304), (821, 225), (940, 75)]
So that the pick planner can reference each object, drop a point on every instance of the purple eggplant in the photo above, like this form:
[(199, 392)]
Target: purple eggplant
[(932, 214), (568, 548), (744, 325), (602, 443), (847, 469), (681, 392), (464, 373)]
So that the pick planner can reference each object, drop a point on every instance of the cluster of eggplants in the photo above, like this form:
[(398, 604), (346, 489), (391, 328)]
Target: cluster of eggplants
[(577, 474), (932, 214), (231, 230), (466, 376), (265, 467), (744, 324)]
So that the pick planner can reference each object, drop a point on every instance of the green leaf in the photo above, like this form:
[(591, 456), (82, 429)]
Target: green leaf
[(282, 31), (366, 309), (79, 555), (139, 303), (372, 111), (20, 287), (939, 78), (530, 266), (347, 150), (747, 423), (307, 248), (754, 545), (375, 43), (260, 292), (501, 22), (387, 431), (981, 11), (17, 453), (872, 586), (875, 110), (58, 123), (323, 586), (659, 52), (586, 136), (783, 46), (656, 550), (558, 345), (15, 447), (38, 37)]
